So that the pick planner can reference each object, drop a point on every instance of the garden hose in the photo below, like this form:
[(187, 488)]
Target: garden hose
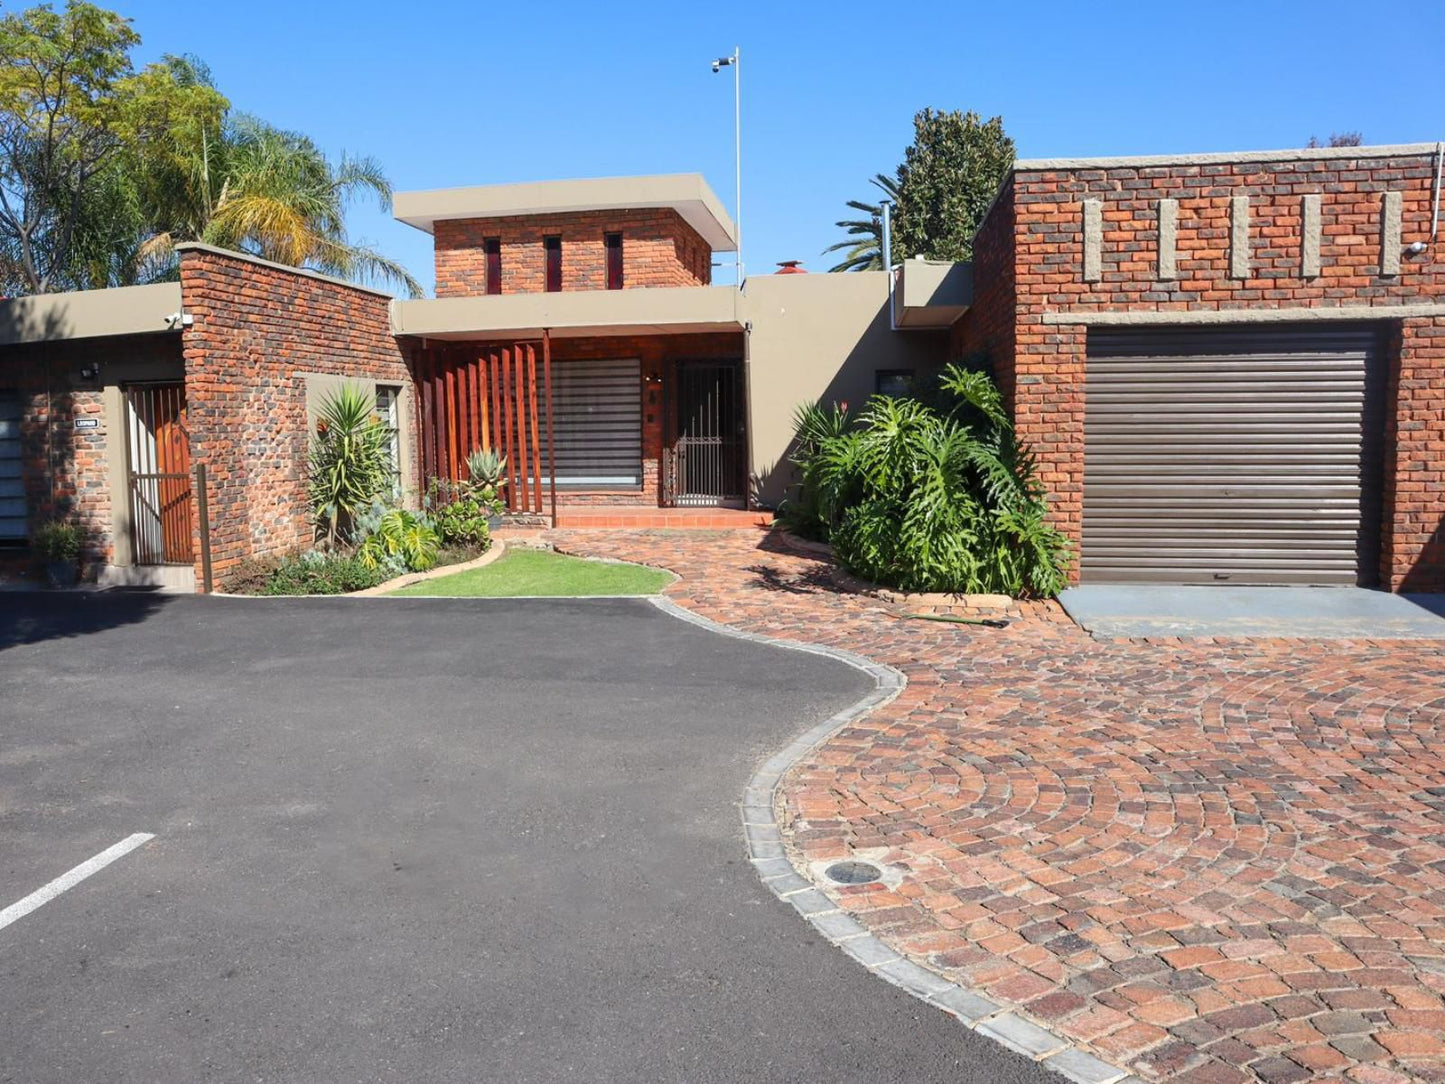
[(988, 622)]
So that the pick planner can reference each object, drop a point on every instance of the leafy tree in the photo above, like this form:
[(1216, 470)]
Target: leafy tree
[(103, 170), (1337, 139), (61, 78), (863, 249), (949, 176)]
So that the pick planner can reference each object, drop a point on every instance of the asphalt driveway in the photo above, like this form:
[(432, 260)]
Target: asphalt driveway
[(417, 840)]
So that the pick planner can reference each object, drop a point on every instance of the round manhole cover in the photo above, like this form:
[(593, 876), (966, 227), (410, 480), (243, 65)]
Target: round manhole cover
[(853, 873)]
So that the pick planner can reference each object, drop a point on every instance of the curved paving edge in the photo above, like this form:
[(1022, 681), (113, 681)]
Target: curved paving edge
[(789, 884)]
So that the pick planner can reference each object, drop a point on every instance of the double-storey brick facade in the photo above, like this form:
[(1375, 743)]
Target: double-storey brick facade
[(658, 249), (1071, 247)]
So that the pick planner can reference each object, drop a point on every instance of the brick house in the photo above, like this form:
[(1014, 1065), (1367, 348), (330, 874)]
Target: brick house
[(1229, 367)]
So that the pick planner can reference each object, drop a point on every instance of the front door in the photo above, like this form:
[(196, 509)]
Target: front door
[(159, 474), (707, 462)]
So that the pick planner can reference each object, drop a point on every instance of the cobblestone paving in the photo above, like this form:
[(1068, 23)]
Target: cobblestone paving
[(1207, 862)]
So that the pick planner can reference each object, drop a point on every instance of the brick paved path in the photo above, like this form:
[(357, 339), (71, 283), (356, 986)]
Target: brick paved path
[(1208, 862)]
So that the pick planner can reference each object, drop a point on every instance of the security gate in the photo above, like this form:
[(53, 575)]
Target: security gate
[(707, 462), (158, 458)]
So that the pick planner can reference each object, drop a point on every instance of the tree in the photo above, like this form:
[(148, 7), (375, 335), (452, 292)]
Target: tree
[(103, 170), (285, 201), (863, 248), (949, 176), (60, 74), (1337, 139)]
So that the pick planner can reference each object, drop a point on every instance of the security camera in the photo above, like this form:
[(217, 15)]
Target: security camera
[(716, 67), (1416, 247)]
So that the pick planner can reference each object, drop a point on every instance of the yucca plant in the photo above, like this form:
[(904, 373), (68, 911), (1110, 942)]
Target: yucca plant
[(348, 464), (929, 499)]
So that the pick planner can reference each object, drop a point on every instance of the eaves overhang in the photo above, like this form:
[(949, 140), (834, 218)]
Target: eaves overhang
[(931, 294), (585, 313), (686, 193), (90, 314)]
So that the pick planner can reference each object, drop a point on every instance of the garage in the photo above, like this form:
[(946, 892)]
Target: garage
[(1233, 455)]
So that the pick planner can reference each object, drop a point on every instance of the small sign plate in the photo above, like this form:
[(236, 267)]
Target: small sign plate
[(87, 423)]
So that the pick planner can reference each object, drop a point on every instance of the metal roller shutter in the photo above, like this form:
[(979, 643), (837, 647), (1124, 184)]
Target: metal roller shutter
[(1230, 456), (597, 408)]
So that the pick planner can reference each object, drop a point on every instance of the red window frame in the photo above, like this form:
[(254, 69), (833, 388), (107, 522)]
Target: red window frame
[(492, 247), (552, 247), (613, 241)]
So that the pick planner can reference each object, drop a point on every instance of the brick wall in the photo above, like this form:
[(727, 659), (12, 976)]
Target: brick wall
[(257, 330), (1043, 368), (66, 470), (658, 249)]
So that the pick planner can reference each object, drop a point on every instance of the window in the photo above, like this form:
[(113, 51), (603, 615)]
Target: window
[(12, 486), (895, 383), (492, 246), (388, 408), (553, 247), (614, 260)]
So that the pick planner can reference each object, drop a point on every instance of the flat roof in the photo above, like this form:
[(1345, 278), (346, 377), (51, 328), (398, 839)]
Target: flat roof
[(686, 193), (89, 314), (1299, 154), (645, 311)]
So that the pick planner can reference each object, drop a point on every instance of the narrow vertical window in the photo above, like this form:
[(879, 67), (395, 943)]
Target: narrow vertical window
[(492, 246), (614, 261), (388, 397), (553, 247)]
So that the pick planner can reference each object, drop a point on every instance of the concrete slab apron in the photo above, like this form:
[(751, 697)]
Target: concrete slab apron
[(763, 831)]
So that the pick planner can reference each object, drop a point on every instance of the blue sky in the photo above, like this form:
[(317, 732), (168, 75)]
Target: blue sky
[(485, 92)]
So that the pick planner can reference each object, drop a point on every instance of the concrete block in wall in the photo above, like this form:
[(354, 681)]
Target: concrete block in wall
[(1239, 237), (1390, 210), (1168, 231), (1309, 236), (1093, 239)]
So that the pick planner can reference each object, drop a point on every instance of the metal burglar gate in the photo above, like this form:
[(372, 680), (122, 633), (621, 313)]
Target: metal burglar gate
[(707, 461), (158, 459)]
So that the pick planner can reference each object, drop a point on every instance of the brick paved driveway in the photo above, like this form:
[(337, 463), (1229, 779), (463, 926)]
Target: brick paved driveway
[(1207, 862)]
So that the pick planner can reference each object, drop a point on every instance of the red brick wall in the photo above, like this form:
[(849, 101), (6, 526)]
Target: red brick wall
[(65, 470), (988, 326), (1044, 366), (658, 249), (257, 330)]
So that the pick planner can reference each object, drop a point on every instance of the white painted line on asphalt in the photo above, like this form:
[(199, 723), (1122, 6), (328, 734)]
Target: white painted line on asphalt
[(42, 896)]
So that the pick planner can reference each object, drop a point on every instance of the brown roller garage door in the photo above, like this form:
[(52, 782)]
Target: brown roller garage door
[(1230, 456)]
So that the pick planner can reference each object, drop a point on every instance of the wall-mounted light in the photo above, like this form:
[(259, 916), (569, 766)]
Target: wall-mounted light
[(89, 372)]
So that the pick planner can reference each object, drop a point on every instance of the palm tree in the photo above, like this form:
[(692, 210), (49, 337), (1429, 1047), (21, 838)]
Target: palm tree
[(864, 246), (235, 181)]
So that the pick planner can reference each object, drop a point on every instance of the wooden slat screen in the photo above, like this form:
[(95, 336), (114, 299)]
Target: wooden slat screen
[(490, 397)]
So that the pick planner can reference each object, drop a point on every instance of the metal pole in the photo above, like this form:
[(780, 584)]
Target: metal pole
[(738, 152), (203, 514)]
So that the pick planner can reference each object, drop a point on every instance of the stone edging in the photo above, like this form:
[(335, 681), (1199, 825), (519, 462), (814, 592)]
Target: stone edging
[(791, 885), (497, 548)]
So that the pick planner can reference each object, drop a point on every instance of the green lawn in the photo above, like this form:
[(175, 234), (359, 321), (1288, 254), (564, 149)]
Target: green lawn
[(540, 572)]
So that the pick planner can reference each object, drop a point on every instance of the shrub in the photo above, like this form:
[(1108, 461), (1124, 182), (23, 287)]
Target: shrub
[(301, 574), (348, 461), (56, 540), (463, 522), (321, 574), (931, 499), (399, 540)]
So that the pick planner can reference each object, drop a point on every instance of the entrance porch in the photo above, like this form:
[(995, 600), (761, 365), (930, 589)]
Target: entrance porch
[(596, 429)]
